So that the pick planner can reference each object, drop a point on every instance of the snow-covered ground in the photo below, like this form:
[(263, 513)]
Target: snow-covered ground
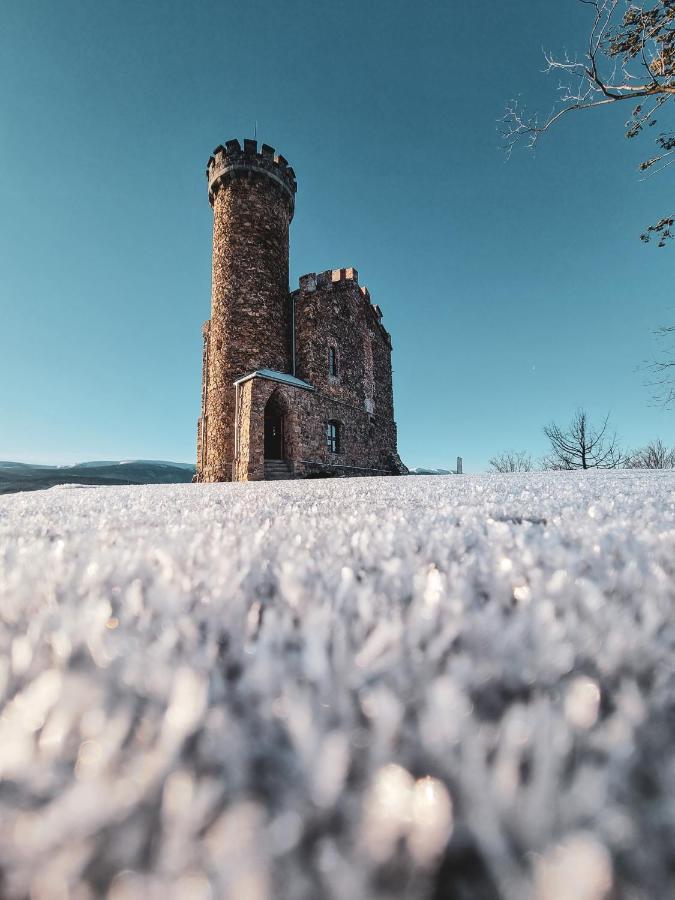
[(431, 687)]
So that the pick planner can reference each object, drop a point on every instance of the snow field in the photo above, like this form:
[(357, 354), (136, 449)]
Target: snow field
[(457, 687)]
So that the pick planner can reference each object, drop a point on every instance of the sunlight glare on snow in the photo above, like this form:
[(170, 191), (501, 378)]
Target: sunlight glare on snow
[(398, 806), (431, 820), (577, 869), (582, 702)]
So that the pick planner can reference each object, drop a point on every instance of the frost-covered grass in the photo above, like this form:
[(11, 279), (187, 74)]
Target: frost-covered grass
[(433, 687)]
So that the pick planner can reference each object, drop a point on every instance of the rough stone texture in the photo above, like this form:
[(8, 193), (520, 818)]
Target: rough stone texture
[(331, 310), (303, 431), (249, 325), (364, 449), (254, 324)]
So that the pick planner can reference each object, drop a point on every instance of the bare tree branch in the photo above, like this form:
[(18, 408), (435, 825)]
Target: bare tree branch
[(662, 370), (581, 445), (630, 56), (654, 455), (518, 461)]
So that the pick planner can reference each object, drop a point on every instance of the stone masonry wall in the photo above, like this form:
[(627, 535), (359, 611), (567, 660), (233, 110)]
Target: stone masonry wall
[(301, 434), (305, 415), (249, 325), (331, 310)]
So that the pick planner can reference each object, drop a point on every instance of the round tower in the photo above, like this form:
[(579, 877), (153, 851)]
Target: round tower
[(252, 194)]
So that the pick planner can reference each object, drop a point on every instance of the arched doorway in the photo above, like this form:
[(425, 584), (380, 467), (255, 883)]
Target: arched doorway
[(274, 429)]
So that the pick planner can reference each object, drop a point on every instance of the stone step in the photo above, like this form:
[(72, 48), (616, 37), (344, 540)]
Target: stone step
[(277, 470)]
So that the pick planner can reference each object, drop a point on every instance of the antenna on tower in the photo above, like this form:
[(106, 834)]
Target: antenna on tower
[(255, 130)]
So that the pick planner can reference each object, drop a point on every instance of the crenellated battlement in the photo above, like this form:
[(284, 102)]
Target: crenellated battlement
[(231, 161), (330, 277), (336, 278)]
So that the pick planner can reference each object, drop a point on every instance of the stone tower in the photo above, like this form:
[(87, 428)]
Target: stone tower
[(252, 194)]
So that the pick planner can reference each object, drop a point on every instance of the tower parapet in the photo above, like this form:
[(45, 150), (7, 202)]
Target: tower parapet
[(231, 161)]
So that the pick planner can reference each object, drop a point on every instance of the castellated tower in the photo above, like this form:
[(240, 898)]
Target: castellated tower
[(253, 195), (298, 383)]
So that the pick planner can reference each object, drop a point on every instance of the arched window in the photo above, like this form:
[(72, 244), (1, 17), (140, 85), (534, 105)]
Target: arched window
[(333, 436), (332, 362)]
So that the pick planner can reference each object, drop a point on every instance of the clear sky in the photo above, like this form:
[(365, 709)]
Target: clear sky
[(514, 291)]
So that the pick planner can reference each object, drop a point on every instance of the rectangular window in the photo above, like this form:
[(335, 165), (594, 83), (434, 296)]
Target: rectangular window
[(333, 437), (332, 362)]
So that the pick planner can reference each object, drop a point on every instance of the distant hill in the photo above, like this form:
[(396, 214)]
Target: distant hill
[(16, 476)]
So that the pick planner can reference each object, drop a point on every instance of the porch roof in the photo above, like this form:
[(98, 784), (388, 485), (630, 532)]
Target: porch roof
[(273, 375)]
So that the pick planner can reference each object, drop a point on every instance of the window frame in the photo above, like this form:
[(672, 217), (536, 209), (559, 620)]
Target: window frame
[(333, 365), (333, 436)]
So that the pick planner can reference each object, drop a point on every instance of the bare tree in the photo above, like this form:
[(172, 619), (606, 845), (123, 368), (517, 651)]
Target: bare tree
[(629, 56), (581, 445), (654, 455), (518, 461)]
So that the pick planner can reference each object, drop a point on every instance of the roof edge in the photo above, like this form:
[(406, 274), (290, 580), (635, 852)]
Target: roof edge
[(280, 377)]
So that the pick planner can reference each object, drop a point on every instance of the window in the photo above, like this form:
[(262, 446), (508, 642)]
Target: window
[(333, 436), (332, 362)]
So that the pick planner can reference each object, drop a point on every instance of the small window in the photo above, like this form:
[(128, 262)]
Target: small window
[(333, 436), (332, 362)]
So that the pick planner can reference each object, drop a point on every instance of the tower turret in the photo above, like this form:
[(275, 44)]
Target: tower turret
[(253, 196)]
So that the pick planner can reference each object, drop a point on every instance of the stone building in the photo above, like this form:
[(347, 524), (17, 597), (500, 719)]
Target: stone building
[(294, 384)]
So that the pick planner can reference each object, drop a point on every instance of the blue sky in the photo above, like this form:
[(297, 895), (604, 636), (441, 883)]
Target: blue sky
[(514, 291)]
